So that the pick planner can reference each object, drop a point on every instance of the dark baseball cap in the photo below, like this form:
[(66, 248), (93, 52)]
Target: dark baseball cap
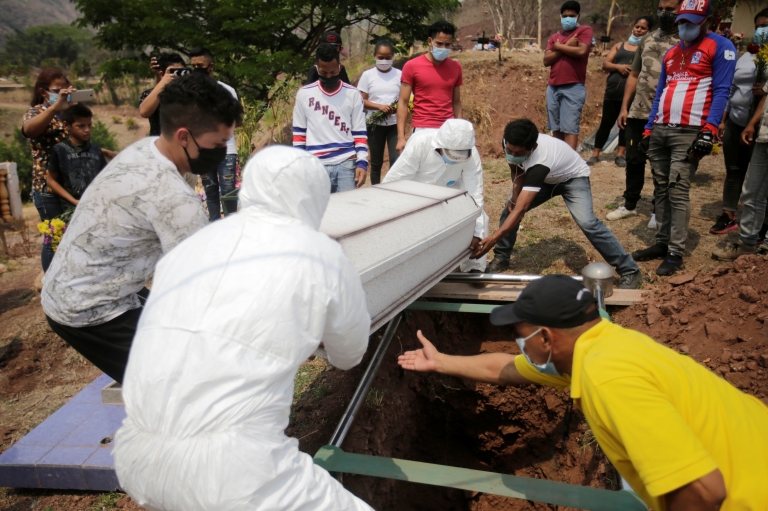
[(554, 301), (331, 37)]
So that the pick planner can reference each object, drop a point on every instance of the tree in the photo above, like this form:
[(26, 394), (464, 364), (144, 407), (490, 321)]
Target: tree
[(254, 41), (513, 17)]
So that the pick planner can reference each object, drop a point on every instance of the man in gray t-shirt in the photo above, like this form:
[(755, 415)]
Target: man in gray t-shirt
[(136, 210)]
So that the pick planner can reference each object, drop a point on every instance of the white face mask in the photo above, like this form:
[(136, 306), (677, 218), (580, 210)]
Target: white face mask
[(384, 65)]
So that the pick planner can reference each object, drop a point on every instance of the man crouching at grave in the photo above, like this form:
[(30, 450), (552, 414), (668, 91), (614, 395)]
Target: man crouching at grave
[(234, 311), (137, 209)]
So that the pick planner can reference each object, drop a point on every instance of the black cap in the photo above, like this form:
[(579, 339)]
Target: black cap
[(555, 301), (331, 37)]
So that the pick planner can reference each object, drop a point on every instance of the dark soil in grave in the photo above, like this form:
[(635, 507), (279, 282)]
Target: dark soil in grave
[(718, 317), (448, 421)]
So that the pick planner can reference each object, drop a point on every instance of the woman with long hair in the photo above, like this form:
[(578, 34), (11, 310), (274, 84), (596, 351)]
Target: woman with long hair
[(44, 129)]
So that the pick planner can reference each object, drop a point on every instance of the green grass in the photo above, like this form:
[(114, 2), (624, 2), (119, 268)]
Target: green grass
[(308, 373), (611, 205), (107, 501)]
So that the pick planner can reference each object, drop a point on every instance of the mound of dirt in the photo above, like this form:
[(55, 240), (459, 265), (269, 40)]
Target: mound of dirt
[(445, 420), (718, 317)]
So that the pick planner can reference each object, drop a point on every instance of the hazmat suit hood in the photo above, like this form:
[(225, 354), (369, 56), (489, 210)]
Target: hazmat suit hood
[(286, 181), (455, 134)]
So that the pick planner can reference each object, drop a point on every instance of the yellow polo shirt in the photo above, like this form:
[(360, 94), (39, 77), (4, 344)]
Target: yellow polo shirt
[(664, 420)]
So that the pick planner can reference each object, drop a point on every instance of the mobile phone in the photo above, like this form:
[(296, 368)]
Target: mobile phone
[(80, 95), (180, 71)]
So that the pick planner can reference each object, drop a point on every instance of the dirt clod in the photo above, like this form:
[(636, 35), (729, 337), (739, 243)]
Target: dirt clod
[(681, 279), (749, 294)]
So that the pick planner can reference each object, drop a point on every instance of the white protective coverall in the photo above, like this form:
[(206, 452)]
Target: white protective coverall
[(234, 310), (422, 163)]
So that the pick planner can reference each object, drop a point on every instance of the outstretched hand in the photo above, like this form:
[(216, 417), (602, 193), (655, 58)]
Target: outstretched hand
[(423, 360), (483, 247)]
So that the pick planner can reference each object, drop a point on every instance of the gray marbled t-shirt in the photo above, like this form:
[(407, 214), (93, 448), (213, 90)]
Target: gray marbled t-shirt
[(137, 209)]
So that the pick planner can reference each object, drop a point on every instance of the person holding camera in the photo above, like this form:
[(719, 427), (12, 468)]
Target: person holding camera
[(149, 103), (135, 211)]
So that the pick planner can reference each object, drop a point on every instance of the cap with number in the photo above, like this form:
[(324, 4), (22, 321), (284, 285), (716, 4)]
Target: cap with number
[(694, 11), (331, 38), (554, 301)]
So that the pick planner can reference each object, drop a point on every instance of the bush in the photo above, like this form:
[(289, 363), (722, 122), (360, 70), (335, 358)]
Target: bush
[(101, 136), (116, 119), (17, 150), (131, 124)]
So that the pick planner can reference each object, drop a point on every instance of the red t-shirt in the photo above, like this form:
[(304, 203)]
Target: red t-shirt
[(569, 69), (432, 87)]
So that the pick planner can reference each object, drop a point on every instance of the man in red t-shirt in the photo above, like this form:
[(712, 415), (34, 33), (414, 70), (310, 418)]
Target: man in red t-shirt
[(567, 54), (434, 80)]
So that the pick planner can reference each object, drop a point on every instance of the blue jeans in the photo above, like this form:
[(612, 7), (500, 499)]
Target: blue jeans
[(577, 195), (564, 105), (342, 175), (753, 195), (48, 207), (222, 178)]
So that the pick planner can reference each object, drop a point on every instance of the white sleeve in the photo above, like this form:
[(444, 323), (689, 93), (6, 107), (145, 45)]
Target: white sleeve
[(360, 131), (472, 179), (364, 84), (407, 164), (347, 322), (299, 123)]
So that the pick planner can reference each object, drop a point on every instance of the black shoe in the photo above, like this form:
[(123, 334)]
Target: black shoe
[(761, 235), (672, 263), (657, 251), (498, 265), (724, 225), (631, 280)]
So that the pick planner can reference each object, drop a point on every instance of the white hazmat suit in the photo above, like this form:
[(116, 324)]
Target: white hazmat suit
[(422, 163), (234, 310)]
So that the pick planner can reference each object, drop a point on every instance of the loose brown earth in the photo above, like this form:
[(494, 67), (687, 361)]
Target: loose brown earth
[(713, 318)]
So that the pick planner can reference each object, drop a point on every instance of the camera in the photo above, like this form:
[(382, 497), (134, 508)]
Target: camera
[(180, 71)]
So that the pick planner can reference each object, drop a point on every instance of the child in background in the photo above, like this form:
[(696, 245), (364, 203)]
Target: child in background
[(76, 161)]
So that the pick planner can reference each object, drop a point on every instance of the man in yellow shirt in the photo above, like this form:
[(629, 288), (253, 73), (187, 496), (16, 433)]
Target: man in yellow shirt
[(682, 437)]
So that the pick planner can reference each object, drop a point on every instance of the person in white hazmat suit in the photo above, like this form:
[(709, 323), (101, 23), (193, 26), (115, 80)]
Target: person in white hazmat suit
[(447, 156), (234, 310)]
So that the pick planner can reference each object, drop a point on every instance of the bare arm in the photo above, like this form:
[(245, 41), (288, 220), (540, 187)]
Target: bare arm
[(578, 50), (704, 494), (550, 57), (52, 179), (629, 94), (369, 105), (37, 125), (402, 114), (151, 102), (457, 111), (496, 368), (608, 64)]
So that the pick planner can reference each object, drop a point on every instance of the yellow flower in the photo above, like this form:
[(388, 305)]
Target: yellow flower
[(58, 225), (44, 228)]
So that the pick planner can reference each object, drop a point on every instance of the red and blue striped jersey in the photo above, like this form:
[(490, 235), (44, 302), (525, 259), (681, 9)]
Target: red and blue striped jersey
[(695, 83), (331, 125)]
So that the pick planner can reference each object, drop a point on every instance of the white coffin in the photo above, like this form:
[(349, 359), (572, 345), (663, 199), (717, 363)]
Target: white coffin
[(402, 237)]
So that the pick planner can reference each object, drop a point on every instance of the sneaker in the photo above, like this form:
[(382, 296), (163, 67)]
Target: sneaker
[(724, 225), (657, 251), (733, 251), (761, 235), (620, 161), (620, 213), (498, 265), (631, 280), (672, 263), (593, 160), (652, 222)]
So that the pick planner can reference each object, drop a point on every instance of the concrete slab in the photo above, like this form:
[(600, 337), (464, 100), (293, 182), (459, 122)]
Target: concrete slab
[(71, 449)]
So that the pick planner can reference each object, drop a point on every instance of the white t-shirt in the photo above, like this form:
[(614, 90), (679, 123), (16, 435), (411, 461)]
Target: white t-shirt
[(382, 88), (231, 145), (137, 209), (555, 162)]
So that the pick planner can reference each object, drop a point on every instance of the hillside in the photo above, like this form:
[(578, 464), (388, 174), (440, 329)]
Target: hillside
[(21, 14)]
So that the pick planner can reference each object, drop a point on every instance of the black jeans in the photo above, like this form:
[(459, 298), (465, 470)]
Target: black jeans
[(635, 171), (737, 157), (611, 111), (106, 345), (48, 207), (377, 139)]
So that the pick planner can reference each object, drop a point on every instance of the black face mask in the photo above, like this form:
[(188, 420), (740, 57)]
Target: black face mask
[(667, 21), (329, 83), (202, 70), (207, 161)]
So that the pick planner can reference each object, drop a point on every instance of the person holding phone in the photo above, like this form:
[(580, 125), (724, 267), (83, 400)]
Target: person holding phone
[(149, 106), (329, 122)]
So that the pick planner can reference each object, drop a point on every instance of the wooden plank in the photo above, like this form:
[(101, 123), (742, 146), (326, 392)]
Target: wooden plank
[(510, 292)]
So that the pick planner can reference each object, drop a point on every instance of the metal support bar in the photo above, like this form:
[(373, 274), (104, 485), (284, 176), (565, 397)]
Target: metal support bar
[(496, 278), (599, 295), (478, 308), (365, 383)]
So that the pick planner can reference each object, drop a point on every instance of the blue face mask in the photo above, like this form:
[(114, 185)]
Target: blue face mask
[(446, 160), (761, 33), (569, 23), (52, 98), (634, 40), (688, 31), (548, 367), (440, 54), (517, 160)]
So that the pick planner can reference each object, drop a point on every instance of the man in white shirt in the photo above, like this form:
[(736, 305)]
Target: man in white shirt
[(221, 181), (542, 167), (446, 157), (329, 122), (137, 209)]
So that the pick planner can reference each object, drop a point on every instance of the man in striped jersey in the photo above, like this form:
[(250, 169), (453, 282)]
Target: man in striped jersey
[(692, 93), (329, 122)]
